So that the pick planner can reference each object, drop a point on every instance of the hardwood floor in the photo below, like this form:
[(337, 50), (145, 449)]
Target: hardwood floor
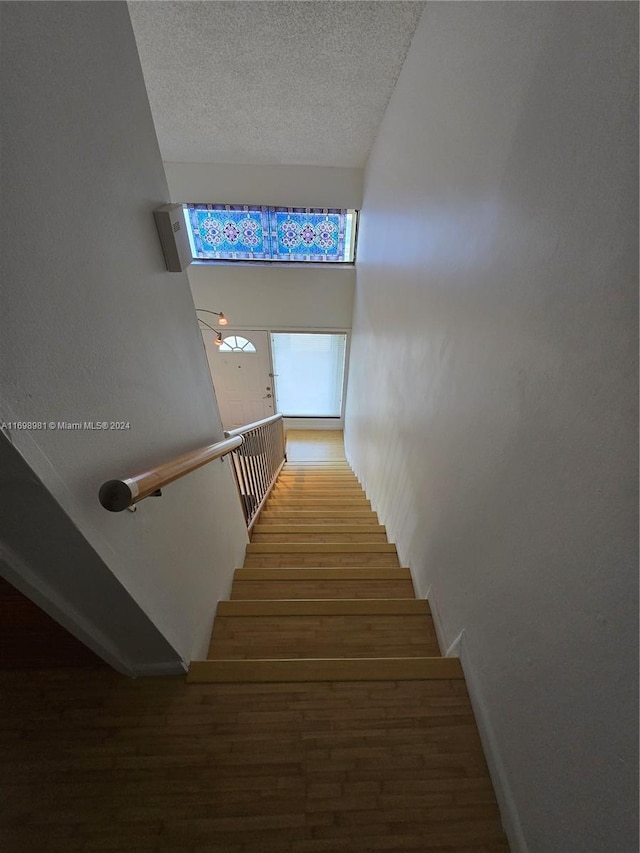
[(92, 761), (323, 720), (322, 445)]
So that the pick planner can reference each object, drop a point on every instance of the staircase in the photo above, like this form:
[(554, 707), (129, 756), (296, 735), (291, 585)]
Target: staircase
[(323, 616)]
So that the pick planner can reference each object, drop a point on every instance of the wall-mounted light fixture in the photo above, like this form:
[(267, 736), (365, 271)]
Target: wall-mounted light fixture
[(222, 320)]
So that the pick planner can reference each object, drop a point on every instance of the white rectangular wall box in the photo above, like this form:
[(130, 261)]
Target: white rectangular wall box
[(172, 230)]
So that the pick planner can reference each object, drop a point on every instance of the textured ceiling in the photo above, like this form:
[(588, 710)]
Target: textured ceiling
[(302, 83)]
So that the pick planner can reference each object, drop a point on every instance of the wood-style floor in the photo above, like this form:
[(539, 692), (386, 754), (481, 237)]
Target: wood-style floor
[(322, 445), (323, 720)]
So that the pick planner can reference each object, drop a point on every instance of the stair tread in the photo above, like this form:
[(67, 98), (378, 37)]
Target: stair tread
[(320, 547), (341, 491), (319, 536), (301, 500), (273, 512), (320, 572), (272, 527), (330, 614), (325, 669), (322, 606)]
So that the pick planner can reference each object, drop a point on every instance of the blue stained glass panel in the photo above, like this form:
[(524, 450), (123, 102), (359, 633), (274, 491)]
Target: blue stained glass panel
[(308, 235), (245, 232), (233, 232)]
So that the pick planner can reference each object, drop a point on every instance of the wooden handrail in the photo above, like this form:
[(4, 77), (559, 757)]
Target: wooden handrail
[(244, 429), (116, 495)]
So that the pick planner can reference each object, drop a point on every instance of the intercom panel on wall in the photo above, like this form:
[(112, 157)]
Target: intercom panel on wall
[(172, 230)]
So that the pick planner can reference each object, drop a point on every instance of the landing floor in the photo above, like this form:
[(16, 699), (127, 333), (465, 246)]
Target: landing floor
[(92, 761), (320, 445)]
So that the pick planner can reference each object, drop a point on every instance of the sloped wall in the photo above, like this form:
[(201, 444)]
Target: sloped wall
[(94, 329), (492, 403)]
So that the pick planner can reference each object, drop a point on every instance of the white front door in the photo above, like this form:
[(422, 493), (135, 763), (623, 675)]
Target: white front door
[(240, 371)]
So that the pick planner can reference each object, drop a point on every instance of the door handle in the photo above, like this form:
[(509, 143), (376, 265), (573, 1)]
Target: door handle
[(267, 396)]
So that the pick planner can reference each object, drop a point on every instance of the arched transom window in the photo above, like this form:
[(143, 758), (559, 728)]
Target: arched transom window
[(235, 343)]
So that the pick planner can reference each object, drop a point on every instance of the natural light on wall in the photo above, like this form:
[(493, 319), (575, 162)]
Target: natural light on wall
[(250, 233), (309, 373)]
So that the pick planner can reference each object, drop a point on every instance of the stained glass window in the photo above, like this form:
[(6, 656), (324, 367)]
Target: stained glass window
[(252, 233)]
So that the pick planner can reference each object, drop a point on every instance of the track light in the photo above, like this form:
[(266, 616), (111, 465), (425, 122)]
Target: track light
[(218, 338)]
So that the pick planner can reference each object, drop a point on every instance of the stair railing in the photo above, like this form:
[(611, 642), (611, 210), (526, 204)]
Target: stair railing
[(257, 462), (116, 495), (257, 455)]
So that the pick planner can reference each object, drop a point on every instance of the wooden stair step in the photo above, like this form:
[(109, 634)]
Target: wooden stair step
[(317, 477), (271, 527), (329, 511), (321, 548), (300, 501), (284, 520), (312, 588), (333, 635), (325, 669), (320, 494), (300, 467), (324, 607), (318, 537), (312, 467), (337, 462), (321, 560), (346, 476), (296, 494), (319, 482), (323, 629), (350, 516), (300, 479), (320, 479), (361, 573), (319, 491), (317, 471)]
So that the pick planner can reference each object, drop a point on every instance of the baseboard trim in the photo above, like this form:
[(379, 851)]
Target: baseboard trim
[(314, 423), (459, 648), (506, 801)]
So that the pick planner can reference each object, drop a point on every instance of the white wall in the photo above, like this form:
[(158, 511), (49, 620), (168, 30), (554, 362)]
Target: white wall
[(263, 297), (492, 404), (289, 186), (95, 329)]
